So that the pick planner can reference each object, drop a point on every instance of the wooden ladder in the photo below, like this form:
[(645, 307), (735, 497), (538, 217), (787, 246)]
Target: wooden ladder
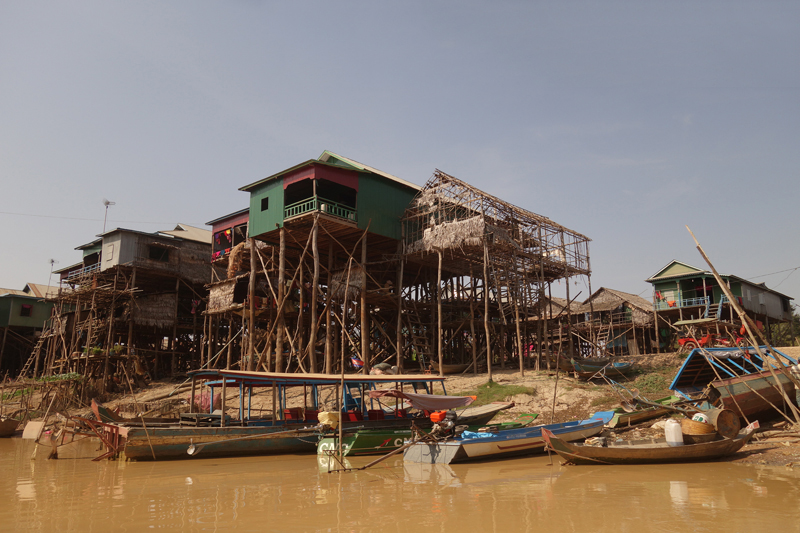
[(418, 331)]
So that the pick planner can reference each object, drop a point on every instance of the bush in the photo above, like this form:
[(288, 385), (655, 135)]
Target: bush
[(495, 392)]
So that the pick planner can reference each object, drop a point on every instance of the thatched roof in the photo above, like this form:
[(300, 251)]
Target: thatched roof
[(605, 299)]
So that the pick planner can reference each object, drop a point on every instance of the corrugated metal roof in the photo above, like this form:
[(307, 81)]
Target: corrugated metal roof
[(13, 292), (190, 233), (327, 154), (41, 291), (235, 214)]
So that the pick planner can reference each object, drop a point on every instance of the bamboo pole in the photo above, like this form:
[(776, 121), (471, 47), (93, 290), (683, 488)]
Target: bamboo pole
[(440, 346), (281, 291), (251, 318), (365, 331), (312, 335), (399, 331), (486, 308), (329, 315)]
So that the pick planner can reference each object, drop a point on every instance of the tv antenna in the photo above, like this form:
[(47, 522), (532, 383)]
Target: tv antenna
[(52, 262), (106, 203)]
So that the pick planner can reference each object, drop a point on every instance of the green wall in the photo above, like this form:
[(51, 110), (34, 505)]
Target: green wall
[(10, 308), (264, 221), (383, 201)]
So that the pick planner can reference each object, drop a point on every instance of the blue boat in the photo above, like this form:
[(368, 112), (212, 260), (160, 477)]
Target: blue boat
[(737, 379), (500, 445)]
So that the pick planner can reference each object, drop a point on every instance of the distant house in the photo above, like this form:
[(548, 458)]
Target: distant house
[(619, 323), (226, 233), (351, 195), (136, 291), (23, 316), (684, 292)]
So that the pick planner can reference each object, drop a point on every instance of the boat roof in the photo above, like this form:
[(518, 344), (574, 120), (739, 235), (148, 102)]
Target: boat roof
[(266, 379), (705, 365)]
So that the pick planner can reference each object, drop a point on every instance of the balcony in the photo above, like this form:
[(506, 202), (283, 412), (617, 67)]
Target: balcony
[(322, 205), (75, 274)]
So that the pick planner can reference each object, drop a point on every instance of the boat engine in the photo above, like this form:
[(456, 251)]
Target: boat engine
[(445, 426)]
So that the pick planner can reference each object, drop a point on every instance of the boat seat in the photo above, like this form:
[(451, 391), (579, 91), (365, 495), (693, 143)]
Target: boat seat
[(312, 416), (376, 414), (353, 416), (294, 413)]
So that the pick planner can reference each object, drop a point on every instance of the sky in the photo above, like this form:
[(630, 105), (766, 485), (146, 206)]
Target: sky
[(624, 121)]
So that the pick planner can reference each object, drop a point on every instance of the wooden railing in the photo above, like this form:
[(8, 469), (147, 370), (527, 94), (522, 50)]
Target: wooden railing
[(323, 205)]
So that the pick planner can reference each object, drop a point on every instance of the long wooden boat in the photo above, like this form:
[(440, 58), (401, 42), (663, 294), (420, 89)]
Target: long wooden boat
[(504, 444), (628, 418), (481, 414), (586, 371), (293, 430), (654, 451), (450, 368), (8, 426), (381, 441), (739, 377)]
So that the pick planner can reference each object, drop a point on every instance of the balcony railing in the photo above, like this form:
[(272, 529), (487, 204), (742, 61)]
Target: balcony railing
[(316, 203), (662, 305), (83, 271)]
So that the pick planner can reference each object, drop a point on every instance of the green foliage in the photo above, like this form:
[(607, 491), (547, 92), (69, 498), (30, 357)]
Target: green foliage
[(786, 334), (604, 401), (496, 392), (652, 383), (61, 377)]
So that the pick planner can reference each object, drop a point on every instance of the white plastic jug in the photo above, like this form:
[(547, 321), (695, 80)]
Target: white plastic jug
[(673, 433)]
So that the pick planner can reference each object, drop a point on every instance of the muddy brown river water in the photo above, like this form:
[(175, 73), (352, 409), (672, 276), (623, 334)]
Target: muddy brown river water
[(295, 493)]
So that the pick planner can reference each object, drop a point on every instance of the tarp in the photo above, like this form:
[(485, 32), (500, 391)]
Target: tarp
[(425, 402)]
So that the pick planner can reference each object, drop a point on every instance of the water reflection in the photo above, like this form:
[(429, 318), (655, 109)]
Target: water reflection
[(298, 493)]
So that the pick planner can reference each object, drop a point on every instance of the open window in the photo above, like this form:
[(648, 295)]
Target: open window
[(26, 310), (158, 253)]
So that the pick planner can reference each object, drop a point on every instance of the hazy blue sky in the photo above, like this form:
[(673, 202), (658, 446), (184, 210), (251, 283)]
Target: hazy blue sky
[(624, 121)]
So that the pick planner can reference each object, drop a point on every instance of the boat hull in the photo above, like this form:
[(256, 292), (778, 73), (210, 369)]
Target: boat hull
[(750, 395), (381, 441), (655, 452), (8, 427), (511, 443), (141, 444)]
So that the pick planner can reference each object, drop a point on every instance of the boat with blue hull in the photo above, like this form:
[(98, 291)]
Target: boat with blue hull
[(738, 379), (500, 445)]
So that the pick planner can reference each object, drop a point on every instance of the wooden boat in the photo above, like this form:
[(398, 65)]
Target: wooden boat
[(8, 426), (450, 368), (293, 430), (739, 380), (624, 418), (380, 441), (104, 414), (654, 451), (510, 443), (587, 371), (481, 415)]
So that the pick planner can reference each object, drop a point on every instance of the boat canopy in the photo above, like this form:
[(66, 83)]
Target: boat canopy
[(425, 402), (268, 379)]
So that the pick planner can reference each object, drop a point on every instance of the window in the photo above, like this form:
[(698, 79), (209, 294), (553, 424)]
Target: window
[(109, 253), (265, 203), (157, 253), (26, 310)]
